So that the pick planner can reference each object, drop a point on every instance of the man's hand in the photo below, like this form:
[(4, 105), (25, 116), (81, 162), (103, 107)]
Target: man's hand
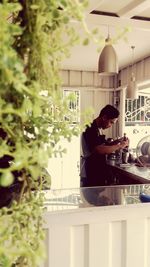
[(123, 143)]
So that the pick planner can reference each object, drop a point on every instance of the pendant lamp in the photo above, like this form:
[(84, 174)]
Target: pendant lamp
[(132, 88), (108, 62)]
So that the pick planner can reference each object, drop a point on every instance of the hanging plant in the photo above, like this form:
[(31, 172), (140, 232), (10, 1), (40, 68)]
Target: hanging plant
[(35, 35)]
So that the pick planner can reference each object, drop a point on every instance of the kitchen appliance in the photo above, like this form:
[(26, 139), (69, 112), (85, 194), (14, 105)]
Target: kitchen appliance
[(143, 151), (143, 157)]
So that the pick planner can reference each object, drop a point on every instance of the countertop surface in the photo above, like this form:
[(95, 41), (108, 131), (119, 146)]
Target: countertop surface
[(140, 173)]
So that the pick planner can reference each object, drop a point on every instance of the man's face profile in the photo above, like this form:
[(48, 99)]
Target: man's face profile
[(107, 123)]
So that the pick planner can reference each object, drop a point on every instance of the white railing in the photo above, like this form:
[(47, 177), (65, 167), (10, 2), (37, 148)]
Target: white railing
[(137, 111)]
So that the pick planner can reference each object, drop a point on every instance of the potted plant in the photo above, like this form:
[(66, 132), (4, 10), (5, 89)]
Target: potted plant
[(35, 35)]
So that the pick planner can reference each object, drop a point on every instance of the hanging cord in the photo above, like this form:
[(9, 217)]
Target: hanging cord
[(132, 47), (107, 40)]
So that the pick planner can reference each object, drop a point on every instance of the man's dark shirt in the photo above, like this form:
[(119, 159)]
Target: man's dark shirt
[(95, 168)]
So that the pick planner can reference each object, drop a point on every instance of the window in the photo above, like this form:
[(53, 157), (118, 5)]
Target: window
[(137, 118), (137, 111), (72, 97)]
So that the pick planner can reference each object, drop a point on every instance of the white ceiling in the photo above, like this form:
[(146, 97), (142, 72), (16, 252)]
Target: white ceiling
[(115, 15)]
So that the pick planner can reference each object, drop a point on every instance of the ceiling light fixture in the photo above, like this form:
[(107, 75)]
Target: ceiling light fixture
[(132, 88), (108, 62)]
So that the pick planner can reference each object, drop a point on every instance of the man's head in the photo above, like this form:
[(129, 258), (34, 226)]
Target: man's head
[(107, 117)]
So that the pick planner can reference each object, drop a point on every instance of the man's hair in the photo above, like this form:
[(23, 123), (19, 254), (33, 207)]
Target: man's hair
[(110, 112)]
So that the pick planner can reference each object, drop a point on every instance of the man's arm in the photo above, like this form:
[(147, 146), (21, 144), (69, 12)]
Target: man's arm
[(105, 149)]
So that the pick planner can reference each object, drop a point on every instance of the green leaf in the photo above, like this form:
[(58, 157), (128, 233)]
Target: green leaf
[(34, 7), (86, 41), (95, 31), (6, 179)]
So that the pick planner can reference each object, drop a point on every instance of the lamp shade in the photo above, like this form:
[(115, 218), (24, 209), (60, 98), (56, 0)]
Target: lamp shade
[(132, 89), (108, 62)]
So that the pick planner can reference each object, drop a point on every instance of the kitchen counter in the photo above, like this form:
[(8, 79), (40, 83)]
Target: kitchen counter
[(129, 173)]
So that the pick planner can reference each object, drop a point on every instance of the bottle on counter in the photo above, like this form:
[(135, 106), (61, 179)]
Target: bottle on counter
[(118, 152), (125, 151), (124, 136)]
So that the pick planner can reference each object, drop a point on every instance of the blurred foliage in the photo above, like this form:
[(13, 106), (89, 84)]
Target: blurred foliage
[(35, 36)]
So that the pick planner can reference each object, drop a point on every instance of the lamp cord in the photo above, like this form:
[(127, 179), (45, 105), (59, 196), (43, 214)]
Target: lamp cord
[(132, 47)]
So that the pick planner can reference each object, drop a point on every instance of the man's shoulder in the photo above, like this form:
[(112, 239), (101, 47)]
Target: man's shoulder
[(93, 125), (91, 130)]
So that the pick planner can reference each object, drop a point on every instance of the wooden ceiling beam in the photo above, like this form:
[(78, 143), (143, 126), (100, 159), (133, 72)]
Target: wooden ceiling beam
[(100, 20), (134, 8), (93, 5)]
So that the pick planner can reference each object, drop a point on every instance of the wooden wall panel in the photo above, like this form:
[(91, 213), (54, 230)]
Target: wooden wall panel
[(64, 74), (75, 78), (141, 70), (87, 78), (135, 242), (118, 243), (147, 68), (147, 243), (79, 246), (59, 246), (99, 244), (116, 236)]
